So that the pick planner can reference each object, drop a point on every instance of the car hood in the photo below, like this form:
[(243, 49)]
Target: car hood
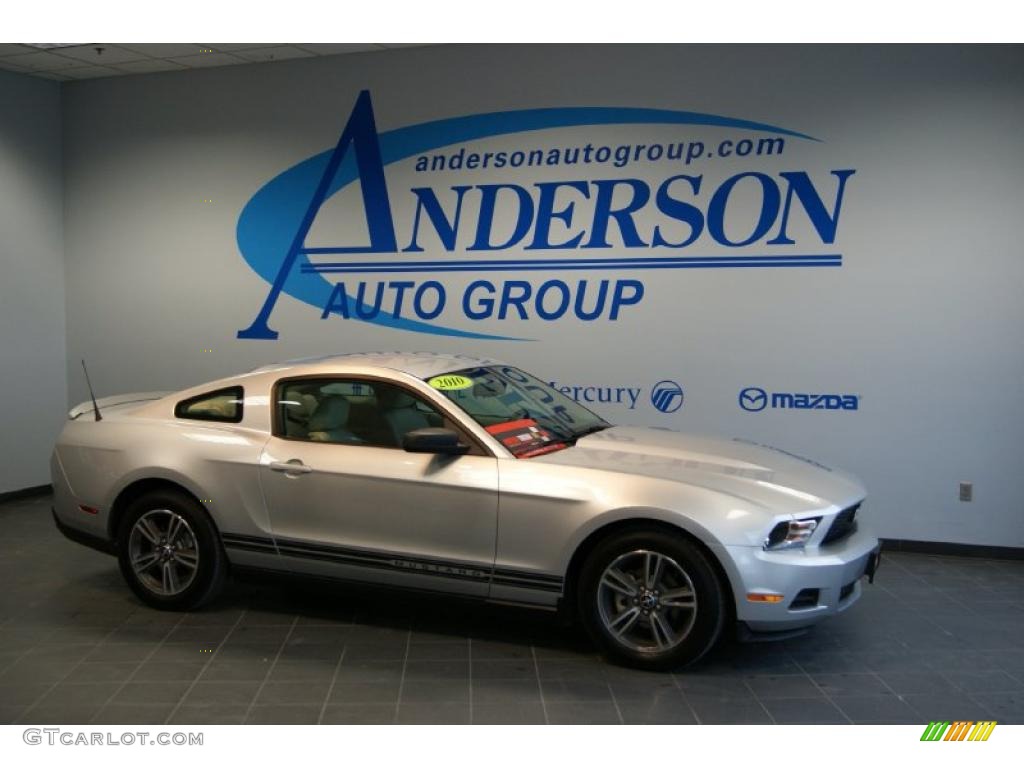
[(762, 474)]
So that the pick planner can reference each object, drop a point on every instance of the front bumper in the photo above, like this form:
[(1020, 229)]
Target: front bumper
[(827, 579)]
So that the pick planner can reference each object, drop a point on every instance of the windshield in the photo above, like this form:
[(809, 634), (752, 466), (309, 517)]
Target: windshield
[(528, 416)]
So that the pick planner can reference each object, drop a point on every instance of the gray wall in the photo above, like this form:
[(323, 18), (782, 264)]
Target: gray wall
[(922, 321), (33, 377)]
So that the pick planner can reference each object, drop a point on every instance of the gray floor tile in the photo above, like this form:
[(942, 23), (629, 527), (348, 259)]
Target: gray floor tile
[(917, 682), (575, 690), (437, 670), (357, 692), (831, 662), (310, 669), (221, 692), (180, 653), (359, 714), (248, 652), (440, 690), (439, 651), (851, 684), (880, 708), (210, 714), (439, 713), (102, 672), (661, 708), (496, 691), (22, 692), (150, 693), (303, 692), (572, 669), (509, 713), (123, 652), (642, 686), (221, 670), (949, 706), (355, 652), (1004, 707), (133, 714), (503, 669), (365, 671), (500, 651), (60, 713), (713, 686), (93, 695), (168, 671), (991, 681), (281, 714), (782, 686), (811, 711), (37, 672), (582, 713), (9, 713), (722, 711)]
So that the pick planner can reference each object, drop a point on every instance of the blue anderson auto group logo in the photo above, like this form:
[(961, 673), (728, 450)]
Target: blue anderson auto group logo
[(468, 236)]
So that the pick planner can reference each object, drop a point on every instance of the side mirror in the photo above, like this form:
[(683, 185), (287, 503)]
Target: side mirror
[(434, 440)]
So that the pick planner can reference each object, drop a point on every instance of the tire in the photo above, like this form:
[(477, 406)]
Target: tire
[(639, 622), (186, 573)]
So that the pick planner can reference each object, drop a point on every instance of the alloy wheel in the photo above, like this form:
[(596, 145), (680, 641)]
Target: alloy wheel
[(647, 601), (162, 552)]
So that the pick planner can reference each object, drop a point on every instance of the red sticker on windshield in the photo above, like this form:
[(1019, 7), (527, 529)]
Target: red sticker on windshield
[(524, 438)]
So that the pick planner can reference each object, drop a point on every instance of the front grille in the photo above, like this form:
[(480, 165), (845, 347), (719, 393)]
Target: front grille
[(842, 526)]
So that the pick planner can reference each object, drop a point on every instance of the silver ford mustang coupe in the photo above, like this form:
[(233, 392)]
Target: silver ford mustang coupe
[(461, 475)]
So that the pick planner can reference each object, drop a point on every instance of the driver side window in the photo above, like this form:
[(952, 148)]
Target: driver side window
[(351, 412)]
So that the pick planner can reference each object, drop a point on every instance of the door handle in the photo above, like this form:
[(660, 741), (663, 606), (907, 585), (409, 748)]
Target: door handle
[(293, 467)]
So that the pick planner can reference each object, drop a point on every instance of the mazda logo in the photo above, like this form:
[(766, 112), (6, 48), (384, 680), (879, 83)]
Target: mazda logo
[(753, 399)]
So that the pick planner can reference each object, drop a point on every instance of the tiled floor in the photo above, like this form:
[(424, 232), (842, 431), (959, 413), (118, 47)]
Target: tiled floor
[(934, 638)]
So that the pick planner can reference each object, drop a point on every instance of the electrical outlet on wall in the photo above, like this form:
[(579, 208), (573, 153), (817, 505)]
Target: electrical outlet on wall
[(966, 491)]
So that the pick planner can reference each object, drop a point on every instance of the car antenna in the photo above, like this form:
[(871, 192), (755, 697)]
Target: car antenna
[(95, 408)]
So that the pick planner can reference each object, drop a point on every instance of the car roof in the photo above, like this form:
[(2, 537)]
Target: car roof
[(422, 365)]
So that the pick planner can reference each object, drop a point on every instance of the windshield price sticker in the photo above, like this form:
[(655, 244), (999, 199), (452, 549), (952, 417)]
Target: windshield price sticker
[(450, 382), (525, 438)]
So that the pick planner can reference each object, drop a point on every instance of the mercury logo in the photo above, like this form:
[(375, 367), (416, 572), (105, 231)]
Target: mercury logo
[(667, 396)]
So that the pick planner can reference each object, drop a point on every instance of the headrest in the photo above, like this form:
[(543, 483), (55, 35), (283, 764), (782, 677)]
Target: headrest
[(301, 404), (332, 413), (393, 397)]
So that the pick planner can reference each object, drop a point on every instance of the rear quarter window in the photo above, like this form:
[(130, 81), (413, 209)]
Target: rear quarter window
[(220, 405)]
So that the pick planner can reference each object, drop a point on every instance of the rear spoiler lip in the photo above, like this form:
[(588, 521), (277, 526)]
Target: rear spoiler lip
[(85, 408)]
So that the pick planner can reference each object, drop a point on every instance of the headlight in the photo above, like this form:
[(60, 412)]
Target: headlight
[(791, 533)]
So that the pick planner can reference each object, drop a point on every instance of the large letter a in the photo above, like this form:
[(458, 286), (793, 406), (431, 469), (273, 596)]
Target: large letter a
[(361, 131)]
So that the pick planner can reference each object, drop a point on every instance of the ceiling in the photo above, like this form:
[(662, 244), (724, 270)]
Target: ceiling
[(84, 61)]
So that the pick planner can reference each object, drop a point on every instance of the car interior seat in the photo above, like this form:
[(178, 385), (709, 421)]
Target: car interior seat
[(298, 410), (329, 422), (400, 413)]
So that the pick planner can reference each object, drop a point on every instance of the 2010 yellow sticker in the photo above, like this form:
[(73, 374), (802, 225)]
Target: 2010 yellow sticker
[(450, 381)]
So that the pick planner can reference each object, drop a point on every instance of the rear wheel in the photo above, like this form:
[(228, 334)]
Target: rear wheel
[(169, 551), (651, 599)]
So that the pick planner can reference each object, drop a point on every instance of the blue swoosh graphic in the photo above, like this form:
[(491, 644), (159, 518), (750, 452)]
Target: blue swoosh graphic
[(269, 221)]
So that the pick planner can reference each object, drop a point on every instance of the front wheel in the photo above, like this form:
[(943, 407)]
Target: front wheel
[(169, 552), (651, 599)]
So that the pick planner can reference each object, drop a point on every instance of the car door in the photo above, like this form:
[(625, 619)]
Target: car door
[(345, 500)]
